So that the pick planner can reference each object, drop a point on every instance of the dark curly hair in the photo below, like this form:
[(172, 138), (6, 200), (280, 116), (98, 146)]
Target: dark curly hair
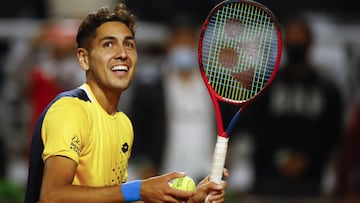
[(87, 29)]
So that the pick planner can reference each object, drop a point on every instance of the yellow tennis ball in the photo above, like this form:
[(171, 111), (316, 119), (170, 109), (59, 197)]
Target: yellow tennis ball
[(184, 183)]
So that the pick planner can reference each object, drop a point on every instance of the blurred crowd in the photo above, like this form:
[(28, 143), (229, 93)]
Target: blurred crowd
[(300, 139)]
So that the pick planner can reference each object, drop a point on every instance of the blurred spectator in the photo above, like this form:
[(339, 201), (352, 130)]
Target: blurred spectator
[(35, 69), (348, 166), (295, 124), (190, 116), (172, 111)]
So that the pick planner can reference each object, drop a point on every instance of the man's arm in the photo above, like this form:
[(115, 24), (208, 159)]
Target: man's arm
[(57, 186)]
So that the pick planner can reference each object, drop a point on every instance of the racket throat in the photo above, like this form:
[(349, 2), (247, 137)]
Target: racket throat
[(223, 134)]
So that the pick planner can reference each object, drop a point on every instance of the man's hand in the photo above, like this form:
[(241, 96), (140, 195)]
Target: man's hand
[(213, 191), (158, 190)]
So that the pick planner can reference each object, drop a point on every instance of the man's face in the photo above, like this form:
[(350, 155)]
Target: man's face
[(112, 57)]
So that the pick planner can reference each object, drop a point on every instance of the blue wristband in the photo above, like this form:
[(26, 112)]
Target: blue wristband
[(131, 191)]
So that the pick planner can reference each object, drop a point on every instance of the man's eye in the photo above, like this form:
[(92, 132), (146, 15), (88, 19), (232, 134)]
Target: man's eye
[(129, 45), (108, 44)]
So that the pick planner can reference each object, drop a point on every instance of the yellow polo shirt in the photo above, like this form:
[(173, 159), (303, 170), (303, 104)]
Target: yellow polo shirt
[(81, 130)]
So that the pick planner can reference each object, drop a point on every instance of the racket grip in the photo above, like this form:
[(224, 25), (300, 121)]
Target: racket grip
[(218, 160)]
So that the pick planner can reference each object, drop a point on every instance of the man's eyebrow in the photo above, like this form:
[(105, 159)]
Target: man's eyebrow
[(129, 38), (114, 38)]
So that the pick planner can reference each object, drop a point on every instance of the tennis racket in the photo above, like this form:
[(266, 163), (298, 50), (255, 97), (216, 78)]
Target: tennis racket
[(239, 54)]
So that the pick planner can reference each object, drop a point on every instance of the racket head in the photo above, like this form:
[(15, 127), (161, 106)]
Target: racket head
[(239, 50)]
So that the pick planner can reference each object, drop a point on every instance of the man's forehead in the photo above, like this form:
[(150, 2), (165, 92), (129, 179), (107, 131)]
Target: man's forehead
[(113, 28)]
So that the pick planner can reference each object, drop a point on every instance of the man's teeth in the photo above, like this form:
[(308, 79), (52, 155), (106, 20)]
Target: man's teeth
[(120, 68)]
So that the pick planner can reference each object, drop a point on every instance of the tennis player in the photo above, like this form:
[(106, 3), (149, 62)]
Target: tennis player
[(81, 143)]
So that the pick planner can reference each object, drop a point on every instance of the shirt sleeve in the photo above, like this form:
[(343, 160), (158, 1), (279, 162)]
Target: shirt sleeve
[(63, 129)]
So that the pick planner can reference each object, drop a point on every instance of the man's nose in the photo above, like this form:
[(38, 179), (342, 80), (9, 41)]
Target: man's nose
[(121, 52)]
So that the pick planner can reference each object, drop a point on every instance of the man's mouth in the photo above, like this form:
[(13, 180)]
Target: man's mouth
[(120, 68)]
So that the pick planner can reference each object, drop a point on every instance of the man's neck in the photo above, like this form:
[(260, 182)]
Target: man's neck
[(107, 98)]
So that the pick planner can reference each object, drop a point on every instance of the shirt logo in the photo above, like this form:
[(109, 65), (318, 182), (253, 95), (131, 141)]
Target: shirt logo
[(75, 144), (125, 147)]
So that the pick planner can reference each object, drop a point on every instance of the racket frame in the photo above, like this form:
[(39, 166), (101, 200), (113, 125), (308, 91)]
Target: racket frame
[(215, 97)]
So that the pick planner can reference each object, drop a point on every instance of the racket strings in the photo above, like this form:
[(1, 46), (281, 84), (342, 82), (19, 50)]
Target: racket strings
[(238, 47), (264, 27)]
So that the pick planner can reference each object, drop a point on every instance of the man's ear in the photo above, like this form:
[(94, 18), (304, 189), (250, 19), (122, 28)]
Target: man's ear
[(82, 56)]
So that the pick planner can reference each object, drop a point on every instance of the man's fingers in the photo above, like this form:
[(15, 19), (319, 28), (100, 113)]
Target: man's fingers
[(174, 175)]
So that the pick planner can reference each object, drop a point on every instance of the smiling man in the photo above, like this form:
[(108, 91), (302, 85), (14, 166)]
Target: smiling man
[(81, 143)]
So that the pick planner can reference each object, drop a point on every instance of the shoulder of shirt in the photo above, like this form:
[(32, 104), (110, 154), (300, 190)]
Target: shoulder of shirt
[(125, 118), (74, 97), (83, 93)]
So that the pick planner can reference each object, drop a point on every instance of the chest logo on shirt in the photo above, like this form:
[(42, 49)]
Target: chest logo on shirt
[(297, 100), (125, 147)]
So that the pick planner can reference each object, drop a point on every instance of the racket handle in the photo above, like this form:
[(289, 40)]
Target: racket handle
[(218, 161)]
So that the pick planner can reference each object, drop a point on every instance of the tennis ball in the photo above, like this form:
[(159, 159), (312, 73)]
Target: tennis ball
[(184, 183)]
